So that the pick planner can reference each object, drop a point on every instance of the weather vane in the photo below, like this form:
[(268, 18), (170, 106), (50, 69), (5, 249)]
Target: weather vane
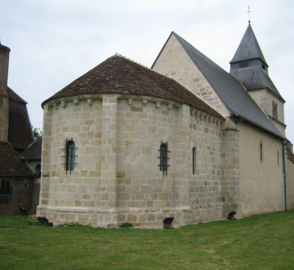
[(249, 13)]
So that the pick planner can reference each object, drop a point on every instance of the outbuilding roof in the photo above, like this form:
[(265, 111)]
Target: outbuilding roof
[(230, 90), (120, 75), (34, 151), (10, 163)]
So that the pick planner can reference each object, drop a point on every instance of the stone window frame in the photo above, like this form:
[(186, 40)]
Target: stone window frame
[(275, 110), (163, 157), (70, 156), (261, 150), (194, 149), (278, 158)]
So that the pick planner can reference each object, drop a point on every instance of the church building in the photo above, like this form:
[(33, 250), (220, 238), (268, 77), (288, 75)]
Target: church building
[(184, 139)]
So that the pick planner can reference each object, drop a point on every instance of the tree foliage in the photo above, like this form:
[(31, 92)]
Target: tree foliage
[(37, 132)]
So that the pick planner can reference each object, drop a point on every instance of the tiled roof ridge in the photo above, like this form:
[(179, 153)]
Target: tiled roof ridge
[(120, 55), (171, 78)]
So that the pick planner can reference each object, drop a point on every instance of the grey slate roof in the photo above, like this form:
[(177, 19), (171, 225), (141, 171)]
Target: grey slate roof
[(34, 151), (230, 91), (254, 79), (248, 48)]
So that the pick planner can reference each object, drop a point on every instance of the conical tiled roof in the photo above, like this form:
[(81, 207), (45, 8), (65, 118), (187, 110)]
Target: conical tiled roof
[(123, 76), (248, 48), (20, 133)]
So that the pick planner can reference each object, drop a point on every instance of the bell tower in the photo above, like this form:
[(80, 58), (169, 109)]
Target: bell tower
[(250, 68), (4, 99)]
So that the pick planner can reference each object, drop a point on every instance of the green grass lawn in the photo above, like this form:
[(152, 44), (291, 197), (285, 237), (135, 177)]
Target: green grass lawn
[(258, 242)]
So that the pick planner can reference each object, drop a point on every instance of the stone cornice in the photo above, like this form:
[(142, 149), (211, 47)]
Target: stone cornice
[(277, 121), (62, 102), (205, 117)]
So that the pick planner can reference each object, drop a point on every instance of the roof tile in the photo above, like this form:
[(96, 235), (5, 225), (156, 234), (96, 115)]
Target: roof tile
[(120, 75), (10, 163)]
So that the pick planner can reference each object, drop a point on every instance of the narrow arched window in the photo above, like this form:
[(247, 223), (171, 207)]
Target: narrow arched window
[(278, 158), (70, 156), (38, 171), (193, 159), (163, 158), (275, 110), (260, 152)]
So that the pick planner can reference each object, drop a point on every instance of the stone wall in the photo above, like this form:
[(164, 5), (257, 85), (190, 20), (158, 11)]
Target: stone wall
[(264, 98), (230, 168), (205, 188), (174, 62), (143, 191), (261, 178), (36, 185), (117, 177), (71, 196), (22, 194), (289, 166)]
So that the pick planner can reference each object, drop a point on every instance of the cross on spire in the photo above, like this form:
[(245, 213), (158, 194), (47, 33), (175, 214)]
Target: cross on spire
[(249, 13)]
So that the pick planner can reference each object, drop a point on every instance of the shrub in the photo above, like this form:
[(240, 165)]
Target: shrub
[(126, 225)]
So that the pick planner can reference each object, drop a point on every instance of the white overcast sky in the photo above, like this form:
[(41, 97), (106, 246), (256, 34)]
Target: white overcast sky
[(54, 42)]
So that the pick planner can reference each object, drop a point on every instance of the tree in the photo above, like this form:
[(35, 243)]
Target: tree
[(37, 133)]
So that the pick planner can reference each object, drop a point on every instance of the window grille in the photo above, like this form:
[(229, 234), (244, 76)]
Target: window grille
[(70, 156), (163, 158)]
